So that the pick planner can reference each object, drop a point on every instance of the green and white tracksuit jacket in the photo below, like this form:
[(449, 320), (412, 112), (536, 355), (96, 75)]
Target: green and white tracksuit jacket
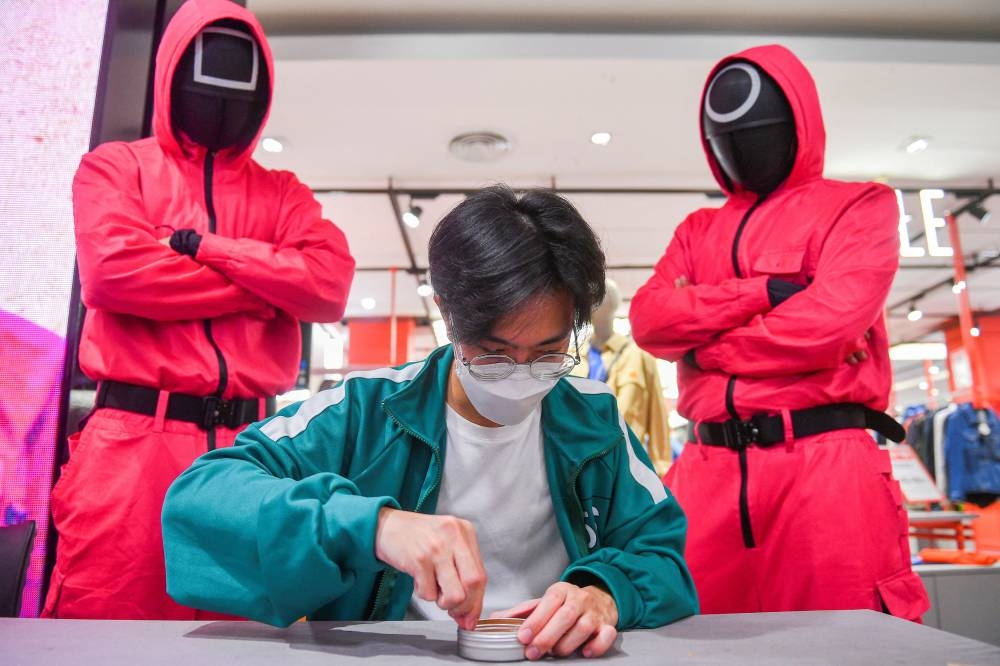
[(282, 525)]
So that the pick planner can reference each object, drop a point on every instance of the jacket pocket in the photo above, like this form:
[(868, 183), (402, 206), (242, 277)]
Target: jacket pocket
[(903, 595), (786, 263)]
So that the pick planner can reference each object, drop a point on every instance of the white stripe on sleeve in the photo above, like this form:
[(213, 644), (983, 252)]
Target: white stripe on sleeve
[(643, 475)]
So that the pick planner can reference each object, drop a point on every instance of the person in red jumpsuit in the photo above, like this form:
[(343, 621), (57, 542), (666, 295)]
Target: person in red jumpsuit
[(773, 306), (196, 266)]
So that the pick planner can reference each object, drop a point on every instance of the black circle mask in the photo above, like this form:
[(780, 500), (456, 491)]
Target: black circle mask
[(749, 127), (220, 91)]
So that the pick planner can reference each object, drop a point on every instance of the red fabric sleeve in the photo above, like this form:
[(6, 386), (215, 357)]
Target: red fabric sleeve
[(668, 321), (817, 328), (123, 266), (307, 272)]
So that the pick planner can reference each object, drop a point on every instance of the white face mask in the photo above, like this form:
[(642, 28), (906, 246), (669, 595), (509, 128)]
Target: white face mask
[(506, 401)]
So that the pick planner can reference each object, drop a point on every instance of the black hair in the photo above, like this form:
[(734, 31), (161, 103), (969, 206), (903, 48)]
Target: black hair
[(496, 250)]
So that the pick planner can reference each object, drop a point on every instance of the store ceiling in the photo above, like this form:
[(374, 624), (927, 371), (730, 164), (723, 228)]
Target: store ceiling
[(356, 110), (975, 19)]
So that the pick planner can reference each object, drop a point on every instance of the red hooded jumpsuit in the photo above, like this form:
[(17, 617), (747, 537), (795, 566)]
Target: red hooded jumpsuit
[(225, 322), (814, 523)]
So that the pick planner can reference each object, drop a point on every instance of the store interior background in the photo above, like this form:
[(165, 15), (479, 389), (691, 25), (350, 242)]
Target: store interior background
[(371, 94)]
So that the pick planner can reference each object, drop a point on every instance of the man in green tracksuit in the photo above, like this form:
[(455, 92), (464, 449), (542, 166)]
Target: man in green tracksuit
[(403, 491)]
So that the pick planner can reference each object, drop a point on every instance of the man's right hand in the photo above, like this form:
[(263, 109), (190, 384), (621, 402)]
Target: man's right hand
[(441, 554)]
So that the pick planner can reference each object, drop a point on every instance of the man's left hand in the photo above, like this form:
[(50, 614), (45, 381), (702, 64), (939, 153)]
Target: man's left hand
[(565, 619)]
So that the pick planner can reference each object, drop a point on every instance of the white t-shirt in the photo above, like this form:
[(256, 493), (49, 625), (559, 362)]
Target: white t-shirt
[(495, 478)]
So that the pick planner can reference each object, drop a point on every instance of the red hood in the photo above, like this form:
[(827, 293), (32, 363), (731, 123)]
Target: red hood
[(184, 26), (800, 89)]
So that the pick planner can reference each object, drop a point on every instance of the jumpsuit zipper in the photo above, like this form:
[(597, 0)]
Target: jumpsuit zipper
[(745, 525), (223, 369)]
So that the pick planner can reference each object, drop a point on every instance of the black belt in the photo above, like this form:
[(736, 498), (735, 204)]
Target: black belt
[(207, 412), (764, 430)]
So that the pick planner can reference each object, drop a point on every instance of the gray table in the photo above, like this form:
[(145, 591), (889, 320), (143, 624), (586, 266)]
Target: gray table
[(834, 637)]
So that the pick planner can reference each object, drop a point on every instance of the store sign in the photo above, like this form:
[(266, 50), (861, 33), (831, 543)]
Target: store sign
[(914, 479), (932, 223)]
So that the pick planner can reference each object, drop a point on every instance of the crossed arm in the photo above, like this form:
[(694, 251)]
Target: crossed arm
[(780, 329)]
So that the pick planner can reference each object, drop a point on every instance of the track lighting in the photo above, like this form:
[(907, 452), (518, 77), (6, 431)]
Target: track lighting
[(980, 213), (411, 217)]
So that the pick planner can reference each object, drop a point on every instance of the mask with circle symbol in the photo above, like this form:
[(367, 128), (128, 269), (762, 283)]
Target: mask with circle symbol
[(749, 126)]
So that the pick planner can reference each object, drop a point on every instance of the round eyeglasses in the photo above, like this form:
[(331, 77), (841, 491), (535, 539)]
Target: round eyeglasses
[(493, 367)]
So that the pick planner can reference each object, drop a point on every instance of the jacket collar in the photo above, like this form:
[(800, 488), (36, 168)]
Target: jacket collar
[(572, 428)]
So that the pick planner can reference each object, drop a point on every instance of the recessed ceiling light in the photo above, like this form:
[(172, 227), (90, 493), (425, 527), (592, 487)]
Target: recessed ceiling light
[(368, 303), (600, 138), (915, 144), (271, 145)]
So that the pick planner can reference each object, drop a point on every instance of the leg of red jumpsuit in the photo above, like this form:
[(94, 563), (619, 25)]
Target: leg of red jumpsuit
[(830, 528), (106, 507), (706, 482)]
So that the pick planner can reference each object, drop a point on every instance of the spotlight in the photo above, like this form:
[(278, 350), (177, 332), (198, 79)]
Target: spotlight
[(916, 144), (411, 218), (600, 138), (914, 314), (424, 289), (980, 213), (974, 331), (271, 145)]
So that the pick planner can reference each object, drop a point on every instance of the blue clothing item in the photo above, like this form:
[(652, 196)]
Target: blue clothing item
[(596, 364), (972, 452)]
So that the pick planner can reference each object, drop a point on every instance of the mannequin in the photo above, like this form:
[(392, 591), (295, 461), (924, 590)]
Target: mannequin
[(632, 375)]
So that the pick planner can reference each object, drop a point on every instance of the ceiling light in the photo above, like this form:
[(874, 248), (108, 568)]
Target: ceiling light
[(980, 213), (923, 385), (411, 217), (368, 303), (934, 370), (918, 351), (914, 314), (424, 289), (600, 138), (974, 331), (271, 145), (958, 287), (916, 144)]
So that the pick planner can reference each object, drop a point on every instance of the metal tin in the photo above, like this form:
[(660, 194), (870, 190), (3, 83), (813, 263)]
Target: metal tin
[(492, 640)]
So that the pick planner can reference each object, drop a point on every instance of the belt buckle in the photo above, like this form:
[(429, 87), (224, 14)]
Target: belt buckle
[(218, 412), (738, 435)]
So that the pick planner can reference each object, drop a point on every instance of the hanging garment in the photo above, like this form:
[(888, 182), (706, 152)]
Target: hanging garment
[(633, 377), (972, 451)]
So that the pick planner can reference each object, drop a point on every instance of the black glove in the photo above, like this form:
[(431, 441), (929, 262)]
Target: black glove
[(779, 291), (185, 241)]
